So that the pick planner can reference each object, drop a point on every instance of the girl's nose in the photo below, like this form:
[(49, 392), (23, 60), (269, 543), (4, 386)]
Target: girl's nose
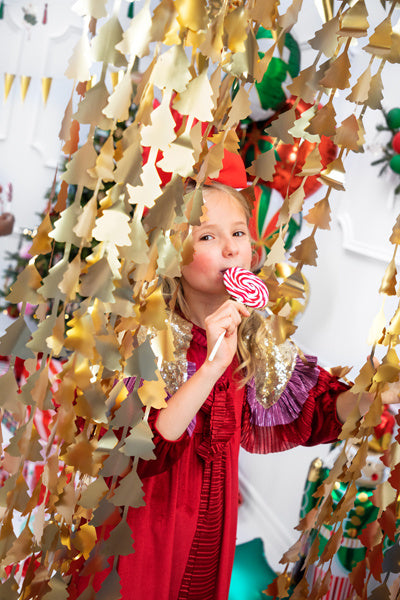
[(229, 247)]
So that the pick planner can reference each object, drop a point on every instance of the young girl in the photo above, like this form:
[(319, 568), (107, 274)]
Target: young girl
[(253, 394)]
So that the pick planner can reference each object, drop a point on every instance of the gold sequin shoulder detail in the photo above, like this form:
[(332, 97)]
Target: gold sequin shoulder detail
[(173, 372), (275, 365)]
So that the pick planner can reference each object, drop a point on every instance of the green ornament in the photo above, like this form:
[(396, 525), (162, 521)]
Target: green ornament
[(251, 573), (270, 89), (393, 119), (130, 10), (395, 163)]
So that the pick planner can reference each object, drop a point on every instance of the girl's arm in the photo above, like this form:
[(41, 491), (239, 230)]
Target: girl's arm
[(346, 402), (183, 406)]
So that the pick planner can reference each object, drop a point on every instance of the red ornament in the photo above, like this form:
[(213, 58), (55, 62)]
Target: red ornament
[(254, 142), (293, 156), (396, 142), (13, 311)]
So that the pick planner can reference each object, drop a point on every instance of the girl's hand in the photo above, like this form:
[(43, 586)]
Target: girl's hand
[(346, 401), (182, 406), (225, 320), (391, 395)]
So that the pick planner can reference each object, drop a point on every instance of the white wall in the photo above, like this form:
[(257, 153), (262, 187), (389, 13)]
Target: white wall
[(352, 256)]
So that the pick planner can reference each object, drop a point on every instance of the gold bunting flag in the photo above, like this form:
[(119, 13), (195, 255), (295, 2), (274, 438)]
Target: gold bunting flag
[(46, 85), (25, 81), (8, 81)]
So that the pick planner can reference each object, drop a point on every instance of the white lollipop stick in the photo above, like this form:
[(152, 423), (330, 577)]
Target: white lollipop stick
[(216, 346)]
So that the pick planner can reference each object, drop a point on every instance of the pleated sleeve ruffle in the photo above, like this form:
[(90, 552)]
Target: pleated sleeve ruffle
[(305, 413)]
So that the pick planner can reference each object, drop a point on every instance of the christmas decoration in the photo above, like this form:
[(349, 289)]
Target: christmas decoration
[(19, 259), (263, 224), (254, 140), (283, 67), (352, 547), (7, 219), (391, 150), (393, 118), (395, 163), (6, 223), (8, 81), (30, 16), (291, 157), (25, 83), (251, 573), (46, 85), (269, 94), (396, 142)]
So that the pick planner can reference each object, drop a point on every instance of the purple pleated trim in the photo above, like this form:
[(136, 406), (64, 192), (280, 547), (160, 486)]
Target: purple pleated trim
[(130, 383), (292, 399)]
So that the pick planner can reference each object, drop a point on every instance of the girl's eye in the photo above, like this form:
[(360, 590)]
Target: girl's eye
[(239, 233), (206, 237)]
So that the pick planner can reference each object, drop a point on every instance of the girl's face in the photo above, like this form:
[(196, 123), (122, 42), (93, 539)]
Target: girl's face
[(220, 242)]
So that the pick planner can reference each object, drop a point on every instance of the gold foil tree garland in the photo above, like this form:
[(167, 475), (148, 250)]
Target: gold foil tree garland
[(129, 236)]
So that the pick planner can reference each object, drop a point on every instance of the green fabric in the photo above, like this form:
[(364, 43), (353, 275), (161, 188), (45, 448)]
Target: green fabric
[(295, 224), (263, 206), (269, 89)]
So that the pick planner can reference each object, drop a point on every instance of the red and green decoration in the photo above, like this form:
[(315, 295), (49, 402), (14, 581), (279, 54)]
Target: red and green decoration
[(284, 65), (17, 260), (391, 151), (269, 94), (290, 157), (254, 141), (263, 224)]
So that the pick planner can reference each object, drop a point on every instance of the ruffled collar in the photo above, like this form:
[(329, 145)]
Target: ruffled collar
[(199, 335)]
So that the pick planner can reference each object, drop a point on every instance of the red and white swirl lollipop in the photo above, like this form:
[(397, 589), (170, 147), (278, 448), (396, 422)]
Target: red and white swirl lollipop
[(245, 287)]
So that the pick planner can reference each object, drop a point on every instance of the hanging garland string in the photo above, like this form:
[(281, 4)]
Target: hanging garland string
[(391, 150)]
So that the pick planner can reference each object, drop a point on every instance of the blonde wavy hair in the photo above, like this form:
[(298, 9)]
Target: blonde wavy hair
[(252, 330)]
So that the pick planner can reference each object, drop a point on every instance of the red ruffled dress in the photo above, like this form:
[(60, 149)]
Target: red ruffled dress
[(184, 538)]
